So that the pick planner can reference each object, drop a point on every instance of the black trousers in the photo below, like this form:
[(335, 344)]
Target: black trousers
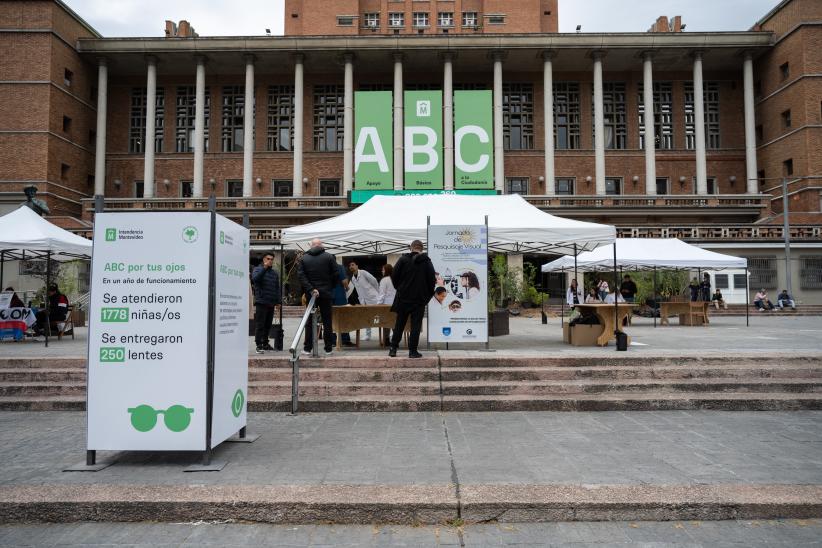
[(325, 305), (416, 313), (263, 318)]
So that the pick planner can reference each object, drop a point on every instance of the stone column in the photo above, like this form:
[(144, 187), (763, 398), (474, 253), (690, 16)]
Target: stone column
[(297, 182), (248, 129), (499, 149), (752, 185), (548, 109), (650, 137), (102, 112), (599, 126), (348, 125), (448, 119), (151, 112), (399, 150), (199, 129), (699, 122)]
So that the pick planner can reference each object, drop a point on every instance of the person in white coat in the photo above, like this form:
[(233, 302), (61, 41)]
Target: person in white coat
[(574, 294), (368, 290), (387, 294)]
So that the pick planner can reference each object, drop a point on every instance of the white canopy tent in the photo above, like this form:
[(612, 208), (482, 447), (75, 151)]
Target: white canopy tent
[(388, 224)]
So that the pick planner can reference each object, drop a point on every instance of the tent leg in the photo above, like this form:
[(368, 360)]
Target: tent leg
[(562, 313), (656, 304), (2, 264), (747, 300), (544, 287), (617, 327), (282, 283), (46, 298)]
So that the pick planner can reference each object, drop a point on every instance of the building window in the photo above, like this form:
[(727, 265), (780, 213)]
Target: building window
[(92, 138), (64, 171), (68, 78), (613, 186), (614, 114), (139, 189), (233, 113), (739, 281), (662, 186), (420, 19), (710, 100), (345, 20), (721, 281), (565, 186), (186, 114), (328, 118), (787, 167), (186, 189), (90, 181), (396, 19), (810, 272), (282, 188), (137, 121), (784, 71), (371, 20), (517, 185), (762, 271), (280, 118), (234, 189), (376, 87), (330, 188), (786, 119), (566, 115), (469, 19), (713, 188), (518, 116), (760, 135), (66, 124), (663, 115), (496, 19), (445, 18)]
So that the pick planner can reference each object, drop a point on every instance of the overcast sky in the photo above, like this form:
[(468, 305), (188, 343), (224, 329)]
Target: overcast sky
[(252, 17)]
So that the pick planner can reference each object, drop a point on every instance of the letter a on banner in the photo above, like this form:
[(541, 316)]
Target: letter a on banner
[(473, 140), (423, 140), (373, 163)]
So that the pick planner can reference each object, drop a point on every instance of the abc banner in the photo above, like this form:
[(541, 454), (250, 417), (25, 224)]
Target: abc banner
[(373, 150), (423, 140), (473, 140), (459, 310)]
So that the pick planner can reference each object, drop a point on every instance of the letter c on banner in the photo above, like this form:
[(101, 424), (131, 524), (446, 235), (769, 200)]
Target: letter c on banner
[(360, 157), (426, 148), (483, 137)]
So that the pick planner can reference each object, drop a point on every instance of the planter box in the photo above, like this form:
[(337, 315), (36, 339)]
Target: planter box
[(498, 323)]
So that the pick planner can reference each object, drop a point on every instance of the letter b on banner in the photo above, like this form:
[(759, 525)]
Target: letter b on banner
[(473, 139), (423, 140)]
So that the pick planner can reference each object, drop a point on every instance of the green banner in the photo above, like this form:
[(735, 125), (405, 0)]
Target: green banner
[(373, 149), (473, 139), (423, 140), (362, 196)]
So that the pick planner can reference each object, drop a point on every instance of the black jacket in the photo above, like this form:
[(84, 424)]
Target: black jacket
[(266, 285), (414, 279), (318, 270)]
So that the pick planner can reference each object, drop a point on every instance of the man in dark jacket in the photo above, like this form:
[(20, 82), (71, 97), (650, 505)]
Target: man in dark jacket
[(318, 275), (414, 279), (266, 283)]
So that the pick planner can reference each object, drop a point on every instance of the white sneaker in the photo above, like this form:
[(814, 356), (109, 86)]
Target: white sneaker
[(328, 352), (305, 353)]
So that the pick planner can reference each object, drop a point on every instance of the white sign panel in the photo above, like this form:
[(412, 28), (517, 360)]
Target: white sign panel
[(230, 330), (148, 331), (459, 310)]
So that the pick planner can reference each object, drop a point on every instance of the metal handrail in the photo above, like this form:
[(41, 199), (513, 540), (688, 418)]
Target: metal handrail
[(310, 312)]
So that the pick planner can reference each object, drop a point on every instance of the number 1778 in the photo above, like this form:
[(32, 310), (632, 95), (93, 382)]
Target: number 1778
[(114, 315)]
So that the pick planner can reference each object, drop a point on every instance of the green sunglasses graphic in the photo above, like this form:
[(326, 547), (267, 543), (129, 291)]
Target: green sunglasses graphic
[(176, 417)]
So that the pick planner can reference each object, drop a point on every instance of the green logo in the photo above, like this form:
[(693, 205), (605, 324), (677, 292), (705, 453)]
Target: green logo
[(176, 417), (190, 234), (222, 237), (237, 403), (111, 234)]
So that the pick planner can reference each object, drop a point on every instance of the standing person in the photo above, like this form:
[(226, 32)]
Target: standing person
[(694, 287), (341, 299), (387, 294), (368, 289), (318, 275), (267, 299), (414, 279), (628, 289), (706, 287), (574, 294), (602, 289)]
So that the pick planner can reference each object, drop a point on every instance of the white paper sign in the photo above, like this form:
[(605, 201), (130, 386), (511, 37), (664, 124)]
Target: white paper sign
[(459, 310)]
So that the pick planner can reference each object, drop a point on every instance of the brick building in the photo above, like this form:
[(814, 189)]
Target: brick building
[(75, 109)]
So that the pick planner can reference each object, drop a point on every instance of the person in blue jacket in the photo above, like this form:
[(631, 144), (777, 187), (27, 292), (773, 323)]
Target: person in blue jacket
[(267, 298)]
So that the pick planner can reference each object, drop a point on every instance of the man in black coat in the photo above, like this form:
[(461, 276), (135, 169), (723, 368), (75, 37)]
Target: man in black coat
[(414, 279), (266, 284), (318, 275)]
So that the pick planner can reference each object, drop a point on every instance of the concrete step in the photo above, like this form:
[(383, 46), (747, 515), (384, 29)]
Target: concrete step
[(346, 374), (628, 372), (71, 374), (48, 363), (456, 359)]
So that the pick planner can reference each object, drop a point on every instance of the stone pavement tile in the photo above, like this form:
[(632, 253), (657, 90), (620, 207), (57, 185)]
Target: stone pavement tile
[(91, 534)]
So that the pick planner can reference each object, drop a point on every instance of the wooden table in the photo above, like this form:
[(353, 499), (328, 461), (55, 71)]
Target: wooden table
[(693, 309), (354, 318), (605, 313)]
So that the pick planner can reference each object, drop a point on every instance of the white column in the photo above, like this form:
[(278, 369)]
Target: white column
[(499, 151), (348, 125), (199, 129), (448, 119), (297, 182), (699, 115), (102, 111), (599, 126), (151, 111), (750, 128), (548, 109), (248, 129), (650, 137), (399, 150)]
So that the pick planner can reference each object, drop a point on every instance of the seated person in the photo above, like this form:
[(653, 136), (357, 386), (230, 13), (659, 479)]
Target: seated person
[(783, 300), (614, 298), (57, 309), (593, 297), (762, 302), (719, 300), (15, 300)]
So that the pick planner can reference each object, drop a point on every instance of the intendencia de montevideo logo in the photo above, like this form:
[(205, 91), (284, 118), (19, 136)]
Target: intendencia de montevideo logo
[(190, 234)]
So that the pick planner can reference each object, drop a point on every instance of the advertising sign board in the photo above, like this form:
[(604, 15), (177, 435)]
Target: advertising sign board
[(423, 140)]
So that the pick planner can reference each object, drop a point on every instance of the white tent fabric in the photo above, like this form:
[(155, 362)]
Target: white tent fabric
[(387, 224), (646, 254), (24, 230)]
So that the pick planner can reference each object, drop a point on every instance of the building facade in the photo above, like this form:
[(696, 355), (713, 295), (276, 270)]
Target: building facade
[(162, 123)]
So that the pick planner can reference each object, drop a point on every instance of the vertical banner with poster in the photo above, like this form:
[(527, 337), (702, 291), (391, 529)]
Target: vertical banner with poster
[(423, 140), (459, 310), (473, 140), (374, 147)]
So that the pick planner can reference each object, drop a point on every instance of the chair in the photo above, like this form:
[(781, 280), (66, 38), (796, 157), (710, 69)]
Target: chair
[(65, 327)]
